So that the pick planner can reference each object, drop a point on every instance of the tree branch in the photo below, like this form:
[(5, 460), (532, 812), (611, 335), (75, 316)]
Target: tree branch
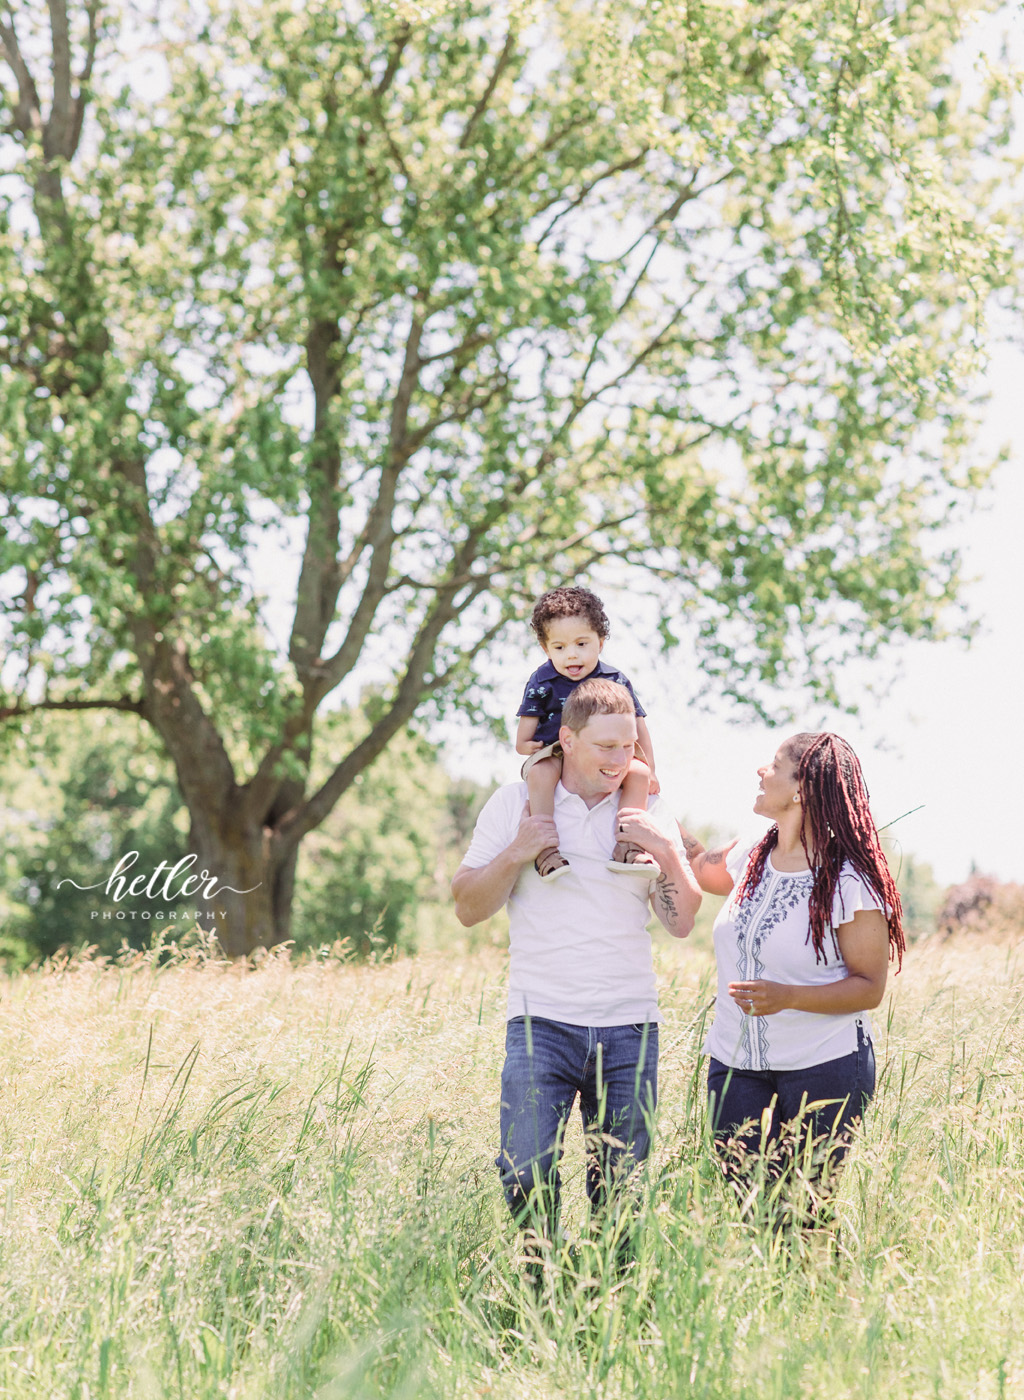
[(319, 584), (637, 360), (27, 114), (123, 702), (171, 704), (296, 824), (442, 678), (402, 38), (60, 122), (377, 91), (85, 77), (617, 169), (379, 528), (508, 49)]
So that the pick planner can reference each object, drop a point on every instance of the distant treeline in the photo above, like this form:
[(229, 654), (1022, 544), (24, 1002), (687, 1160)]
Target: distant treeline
[(80, 793)]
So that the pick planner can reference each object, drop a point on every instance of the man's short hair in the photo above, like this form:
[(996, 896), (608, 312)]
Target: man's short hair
[(596, 697)]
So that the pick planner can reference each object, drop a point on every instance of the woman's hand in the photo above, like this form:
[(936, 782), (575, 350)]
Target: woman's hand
[(864, 944), (760, 998), (709, 867)]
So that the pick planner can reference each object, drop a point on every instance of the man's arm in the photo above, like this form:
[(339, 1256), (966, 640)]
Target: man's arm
[(481, 891), (676, 895), (708, 866)]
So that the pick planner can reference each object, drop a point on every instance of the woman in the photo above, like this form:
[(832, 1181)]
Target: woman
[(803, 947)]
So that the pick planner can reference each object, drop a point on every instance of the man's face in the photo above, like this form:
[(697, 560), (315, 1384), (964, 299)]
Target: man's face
[(598, 757)]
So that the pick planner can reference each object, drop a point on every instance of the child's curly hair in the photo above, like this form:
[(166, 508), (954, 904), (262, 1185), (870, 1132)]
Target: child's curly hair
[(569, 602)]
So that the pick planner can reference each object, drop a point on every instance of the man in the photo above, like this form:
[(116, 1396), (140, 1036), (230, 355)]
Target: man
[(583, 1003)]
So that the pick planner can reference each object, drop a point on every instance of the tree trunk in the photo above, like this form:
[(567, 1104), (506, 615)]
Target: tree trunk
[(246, 888)]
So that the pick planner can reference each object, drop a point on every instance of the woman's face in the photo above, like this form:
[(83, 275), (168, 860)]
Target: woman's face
[(779, 788)]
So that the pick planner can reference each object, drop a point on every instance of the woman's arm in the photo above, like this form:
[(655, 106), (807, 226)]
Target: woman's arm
[(708, 866), (864, 944), (525, 742)]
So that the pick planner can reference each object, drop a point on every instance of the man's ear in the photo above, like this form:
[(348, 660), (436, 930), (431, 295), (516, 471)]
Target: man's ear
[(565, 738)]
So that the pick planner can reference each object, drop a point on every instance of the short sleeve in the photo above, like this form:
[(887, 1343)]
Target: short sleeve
[(536, 699), (736, 861), (853, 894), (640, 711), (496, 825)]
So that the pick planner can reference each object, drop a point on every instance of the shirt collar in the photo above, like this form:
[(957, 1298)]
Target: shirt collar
[(563, 796)]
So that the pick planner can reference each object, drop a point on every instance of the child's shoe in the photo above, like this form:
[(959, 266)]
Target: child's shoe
[(630, 859), (551, 863)]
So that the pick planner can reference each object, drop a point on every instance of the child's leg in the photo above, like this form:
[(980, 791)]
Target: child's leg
[(634, 792), (636, 786), (541, 781)]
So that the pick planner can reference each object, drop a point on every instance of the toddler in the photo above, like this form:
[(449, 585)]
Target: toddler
[(572, 627)]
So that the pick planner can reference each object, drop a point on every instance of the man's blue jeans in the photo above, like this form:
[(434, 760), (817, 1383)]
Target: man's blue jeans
[(613, 1069)]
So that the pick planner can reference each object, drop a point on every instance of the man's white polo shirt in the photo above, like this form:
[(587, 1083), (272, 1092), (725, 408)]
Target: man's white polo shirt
[(580, 950)]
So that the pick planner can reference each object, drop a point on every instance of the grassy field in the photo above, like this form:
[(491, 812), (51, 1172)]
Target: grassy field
[(279, 1183)]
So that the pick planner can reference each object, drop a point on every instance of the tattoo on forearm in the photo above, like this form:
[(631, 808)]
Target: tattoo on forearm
[(691, 845), (714, 858), (665, 891)]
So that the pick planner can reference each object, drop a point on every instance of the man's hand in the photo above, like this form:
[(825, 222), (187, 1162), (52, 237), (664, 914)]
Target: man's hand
[(535, 834), (676, 897), (638, 826), (481, 891)]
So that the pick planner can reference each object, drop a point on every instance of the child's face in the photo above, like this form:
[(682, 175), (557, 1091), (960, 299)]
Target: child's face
[(572, 646)]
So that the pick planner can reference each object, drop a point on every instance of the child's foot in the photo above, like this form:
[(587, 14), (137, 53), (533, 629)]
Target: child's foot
[(550, 864), (630, 859)]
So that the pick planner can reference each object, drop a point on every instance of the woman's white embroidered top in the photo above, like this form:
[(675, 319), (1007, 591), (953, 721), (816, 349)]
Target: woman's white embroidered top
[(767, 936)]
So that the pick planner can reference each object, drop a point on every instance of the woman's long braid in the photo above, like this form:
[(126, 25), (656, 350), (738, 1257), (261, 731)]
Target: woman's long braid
[(756, 862), (838, 827)]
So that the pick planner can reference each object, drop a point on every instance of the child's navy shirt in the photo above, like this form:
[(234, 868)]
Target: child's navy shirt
[(547, 691)]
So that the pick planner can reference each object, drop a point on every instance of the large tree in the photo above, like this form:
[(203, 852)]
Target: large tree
[(467, 299)]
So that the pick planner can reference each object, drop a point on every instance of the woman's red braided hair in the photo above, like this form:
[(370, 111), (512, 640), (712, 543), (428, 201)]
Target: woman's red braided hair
[(838, 827)]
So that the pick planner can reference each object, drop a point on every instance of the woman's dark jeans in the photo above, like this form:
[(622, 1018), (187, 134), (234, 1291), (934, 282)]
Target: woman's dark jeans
[(792, 1128)]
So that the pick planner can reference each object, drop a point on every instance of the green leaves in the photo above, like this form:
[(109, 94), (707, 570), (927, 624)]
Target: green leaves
[(491, 301)]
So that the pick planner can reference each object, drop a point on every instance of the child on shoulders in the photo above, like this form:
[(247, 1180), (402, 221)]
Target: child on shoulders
[(572, 627)]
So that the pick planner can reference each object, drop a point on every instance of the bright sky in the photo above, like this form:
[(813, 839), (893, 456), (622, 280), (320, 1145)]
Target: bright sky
[(947, 738)]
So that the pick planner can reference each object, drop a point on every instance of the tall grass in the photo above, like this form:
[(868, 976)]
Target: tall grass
[(279, 1183)]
